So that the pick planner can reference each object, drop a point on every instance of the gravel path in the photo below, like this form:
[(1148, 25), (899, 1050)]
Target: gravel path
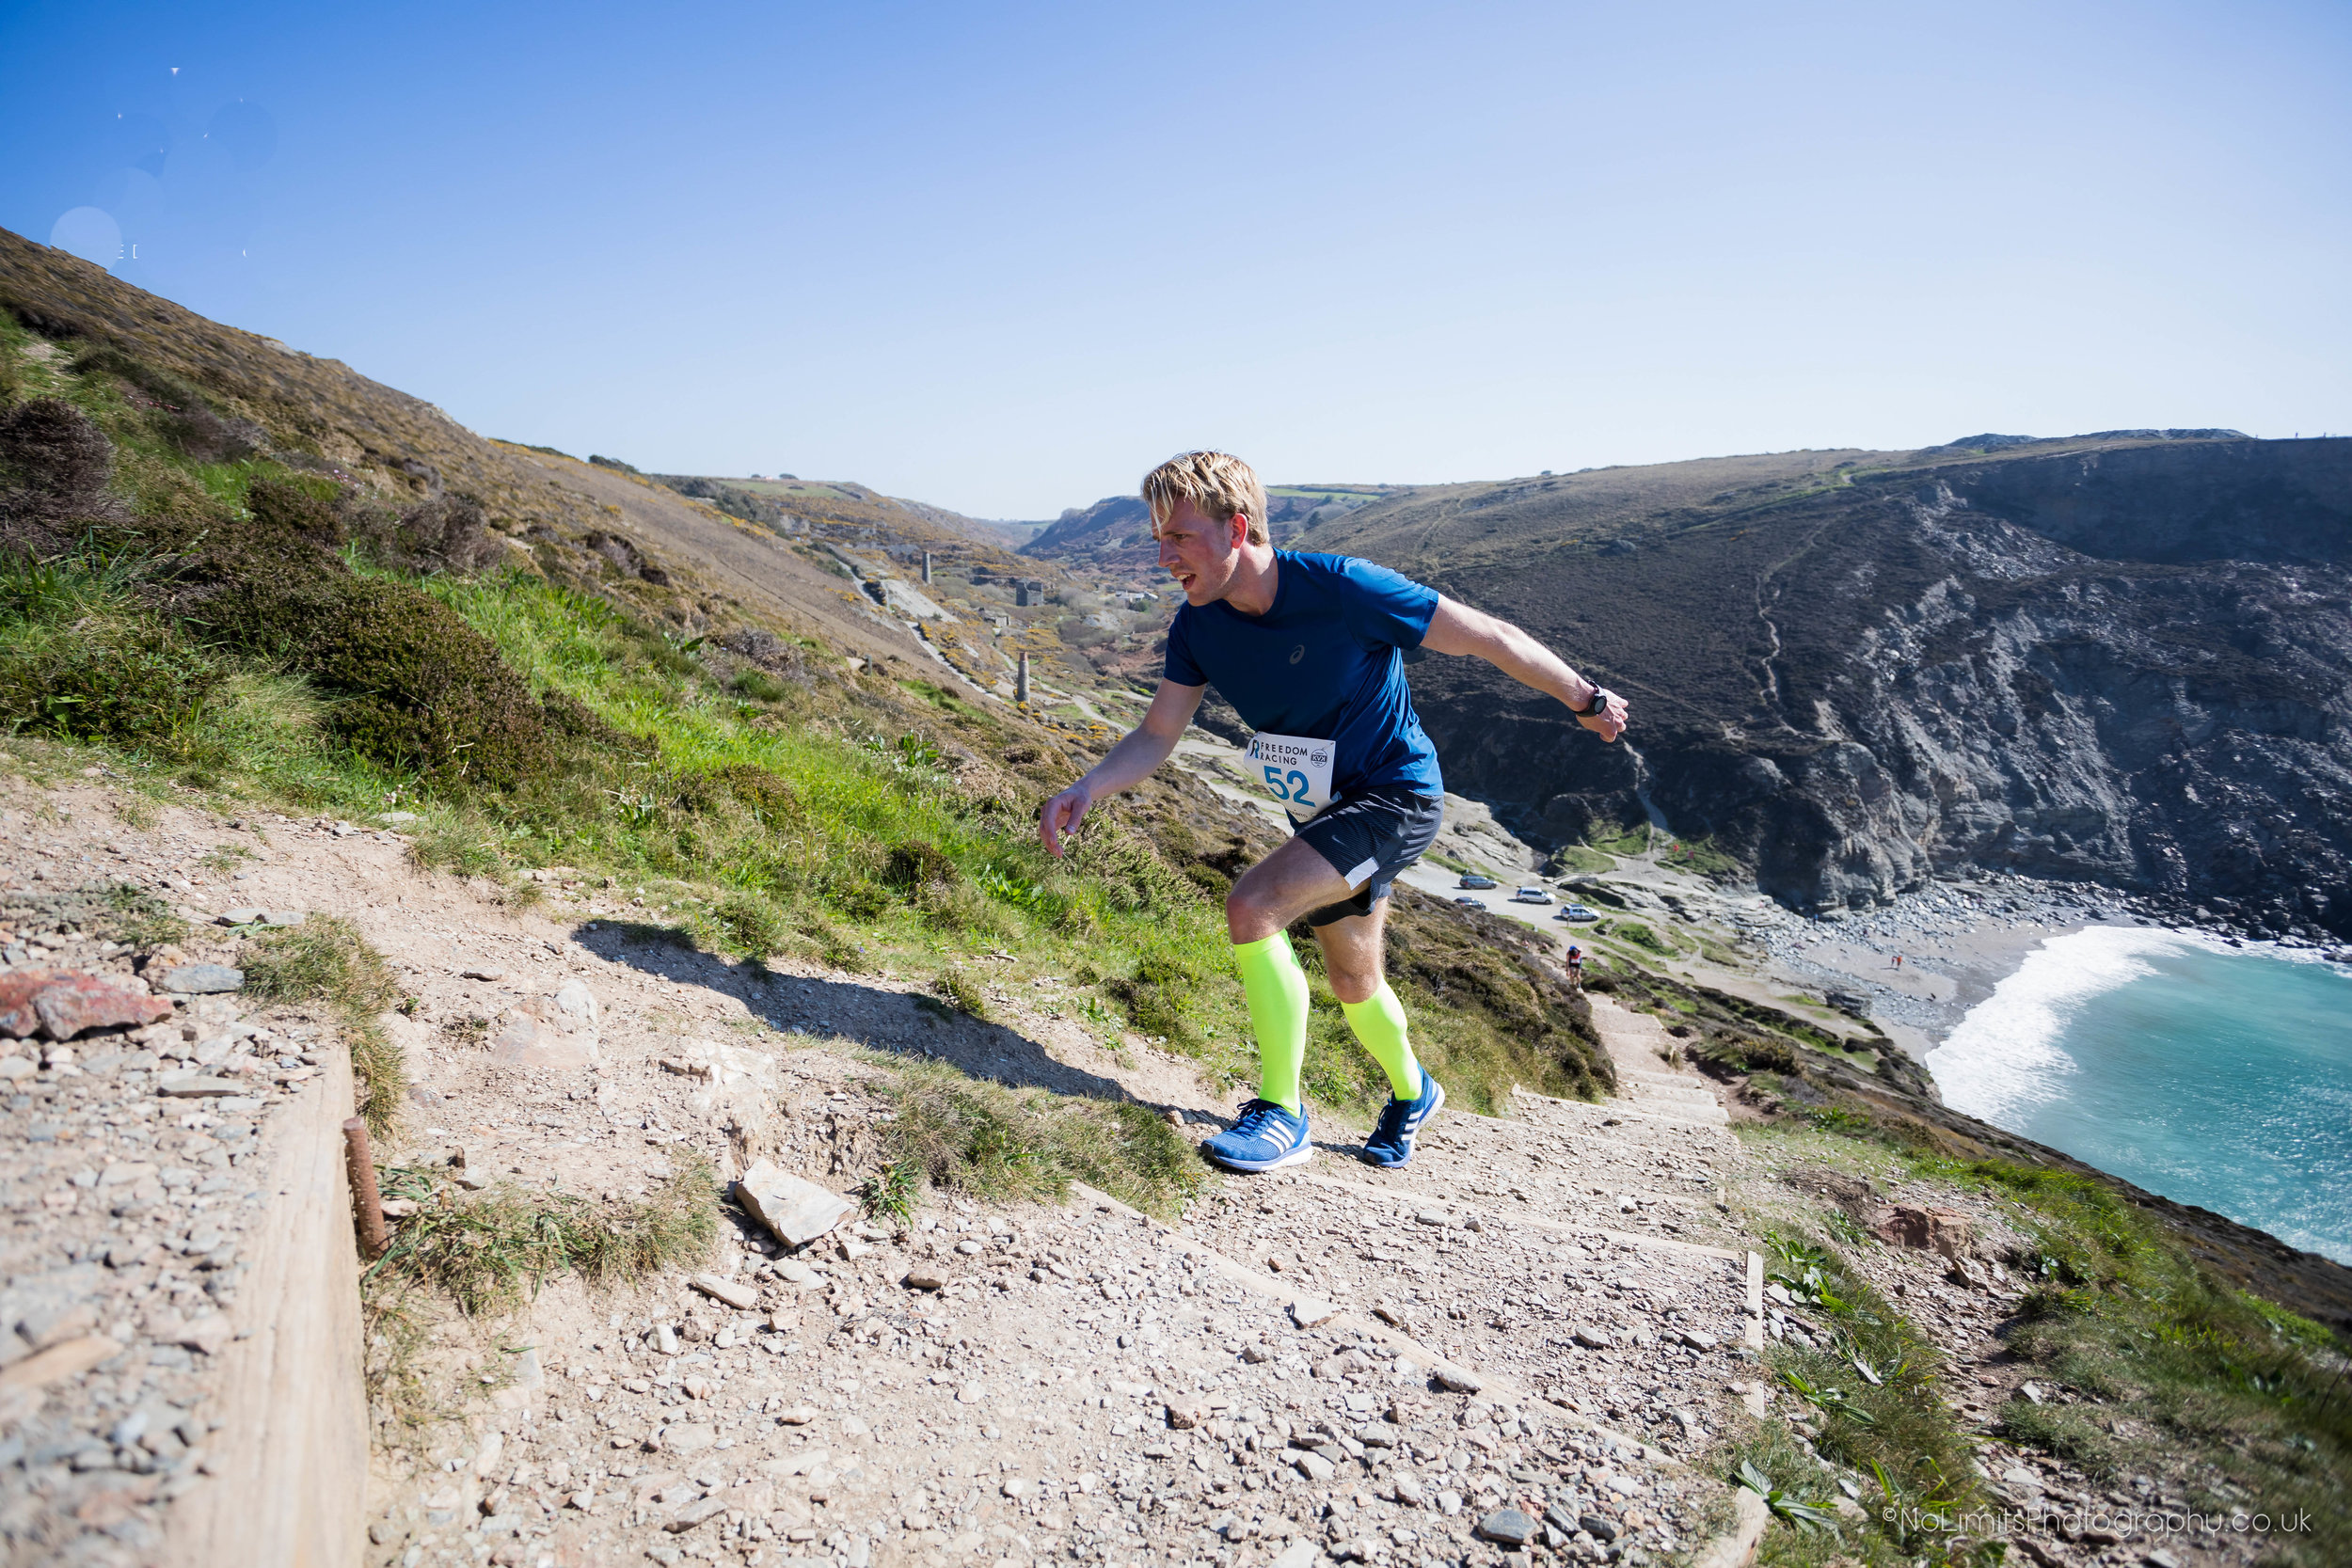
[(1085, 1385), (135, 1172), (1519, 1333)]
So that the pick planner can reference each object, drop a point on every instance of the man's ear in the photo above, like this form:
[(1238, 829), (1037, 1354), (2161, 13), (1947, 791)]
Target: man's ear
[(1237, 530)]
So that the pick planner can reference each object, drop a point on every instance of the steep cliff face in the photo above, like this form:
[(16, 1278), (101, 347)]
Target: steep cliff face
[(2126, 658)]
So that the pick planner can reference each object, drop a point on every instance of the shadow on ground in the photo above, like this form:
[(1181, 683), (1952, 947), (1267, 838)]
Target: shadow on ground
[(872, 1015)]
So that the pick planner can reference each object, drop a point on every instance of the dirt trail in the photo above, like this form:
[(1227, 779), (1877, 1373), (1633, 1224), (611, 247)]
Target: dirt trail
[(1560, 1261), (1021, 1412)]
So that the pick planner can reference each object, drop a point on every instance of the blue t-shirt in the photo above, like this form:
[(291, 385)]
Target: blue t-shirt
[(1325, 660)]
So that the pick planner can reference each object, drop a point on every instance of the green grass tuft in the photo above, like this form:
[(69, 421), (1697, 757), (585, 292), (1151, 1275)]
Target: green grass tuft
[(491, 1252), (968, 1135), (325, 960), (759, 686), (968, 995), (142, 919), (890, 1193), (1890, 1422)]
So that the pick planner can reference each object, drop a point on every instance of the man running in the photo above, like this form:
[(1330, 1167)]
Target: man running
[(1308, 649)]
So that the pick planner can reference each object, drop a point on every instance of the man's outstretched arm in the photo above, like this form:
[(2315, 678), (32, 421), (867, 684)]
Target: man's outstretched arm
[(1139, 753), (1457, 628)]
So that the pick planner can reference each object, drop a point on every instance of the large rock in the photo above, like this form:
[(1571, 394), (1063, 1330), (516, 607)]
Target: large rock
[(795, 1211), (1942, 1231), (61, 1004)]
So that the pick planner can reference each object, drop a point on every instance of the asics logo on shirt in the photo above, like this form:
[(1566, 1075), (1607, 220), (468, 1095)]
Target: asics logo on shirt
[(1299, 653)]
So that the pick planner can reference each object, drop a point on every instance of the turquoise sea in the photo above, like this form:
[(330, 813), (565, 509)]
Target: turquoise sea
[(2214, 1075)]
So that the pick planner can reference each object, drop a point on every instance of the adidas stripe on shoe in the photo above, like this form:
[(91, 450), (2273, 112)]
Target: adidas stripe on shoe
[(1265, 1137), (1401, 1122)]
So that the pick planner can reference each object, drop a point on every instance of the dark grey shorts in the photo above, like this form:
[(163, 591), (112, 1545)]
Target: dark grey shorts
[(1368, 838)]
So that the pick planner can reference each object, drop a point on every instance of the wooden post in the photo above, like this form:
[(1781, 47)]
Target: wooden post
[(1021, 681), (926, 568), (367, 1207)]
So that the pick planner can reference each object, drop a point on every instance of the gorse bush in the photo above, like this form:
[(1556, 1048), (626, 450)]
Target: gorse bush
[(80, 657), (418, 691)]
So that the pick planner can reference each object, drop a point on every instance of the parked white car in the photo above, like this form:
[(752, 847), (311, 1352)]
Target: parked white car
[(1531, 895), (1576, 912)]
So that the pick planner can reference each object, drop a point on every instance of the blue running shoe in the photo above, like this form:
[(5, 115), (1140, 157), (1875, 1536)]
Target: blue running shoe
[(1265, 1137), (1391, 1142)]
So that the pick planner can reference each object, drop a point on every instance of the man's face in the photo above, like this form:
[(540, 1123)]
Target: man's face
[(1200, 553)]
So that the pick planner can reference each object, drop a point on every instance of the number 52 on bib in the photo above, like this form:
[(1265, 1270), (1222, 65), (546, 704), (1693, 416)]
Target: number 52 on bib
[(1296, 770)]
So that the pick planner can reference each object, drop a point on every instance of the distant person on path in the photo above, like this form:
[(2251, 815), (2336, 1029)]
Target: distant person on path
[(1575, 966), (1308, 649)]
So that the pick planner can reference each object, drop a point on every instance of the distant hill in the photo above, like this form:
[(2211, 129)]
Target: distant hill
[(2124, 656), (1115, 533), (697, 552)]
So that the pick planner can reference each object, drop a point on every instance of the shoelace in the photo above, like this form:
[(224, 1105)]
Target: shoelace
[(1392, 1127), (1257, 1119)]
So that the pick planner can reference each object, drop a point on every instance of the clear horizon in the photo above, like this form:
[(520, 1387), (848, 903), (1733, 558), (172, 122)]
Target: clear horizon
[(1005, 261)]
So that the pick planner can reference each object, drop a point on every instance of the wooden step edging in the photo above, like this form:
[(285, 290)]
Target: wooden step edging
[(290, 1454)]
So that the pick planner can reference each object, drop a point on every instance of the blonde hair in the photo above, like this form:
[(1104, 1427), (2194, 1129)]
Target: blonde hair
[(1218, 483)]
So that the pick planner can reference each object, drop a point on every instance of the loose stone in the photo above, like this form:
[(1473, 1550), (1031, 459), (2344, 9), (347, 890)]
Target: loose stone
[(1507, 1526)]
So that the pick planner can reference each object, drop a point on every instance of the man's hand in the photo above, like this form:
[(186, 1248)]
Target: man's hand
[(1609, 721), (1127, 765), (1062, 814)]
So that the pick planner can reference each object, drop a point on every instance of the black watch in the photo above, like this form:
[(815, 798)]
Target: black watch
[(1600, 701)]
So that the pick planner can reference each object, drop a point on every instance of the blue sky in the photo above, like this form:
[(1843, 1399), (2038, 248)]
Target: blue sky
[(1005, 257)]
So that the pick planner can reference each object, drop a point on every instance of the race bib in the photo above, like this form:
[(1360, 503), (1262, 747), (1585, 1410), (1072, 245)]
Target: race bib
[(1296, 770)]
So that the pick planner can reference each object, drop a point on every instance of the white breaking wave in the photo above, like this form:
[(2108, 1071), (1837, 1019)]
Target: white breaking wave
[(2004, 1058)]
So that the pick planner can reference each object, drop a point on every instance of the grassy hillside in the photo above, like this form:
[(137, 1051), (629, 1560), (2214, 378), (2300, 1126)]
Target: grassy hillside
[(240, 626), (2166, 1342)]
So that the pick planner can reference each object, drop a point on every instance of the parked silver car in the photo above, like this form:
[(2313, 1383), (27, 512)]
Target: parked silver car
[(1576, 912), (1473, 880), (1531, 896)]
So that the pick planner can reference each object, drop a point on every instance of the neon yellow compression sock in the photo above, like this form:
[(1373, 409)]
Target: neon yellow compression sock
[(1379, 1023), (1275, 988)]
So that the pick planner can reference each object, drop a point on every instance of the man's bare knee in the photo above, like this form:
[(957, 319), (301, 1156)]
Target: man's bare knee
[(1246, 919)]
